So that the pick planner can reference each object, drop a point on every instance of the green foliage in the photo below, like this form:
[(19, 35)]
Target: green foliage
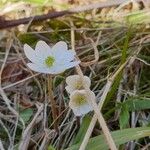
[(120, 137), (132, 104), (124, 117), (81, 133), (58, 80), (118, 78), (28, 38), (138, 17), (40, 2), (137, 104), (26, 114), (50, 147)]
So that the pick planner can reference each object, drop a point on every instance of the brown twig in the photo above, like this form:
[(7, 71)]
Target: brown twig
[(96, 53), (12, 23)]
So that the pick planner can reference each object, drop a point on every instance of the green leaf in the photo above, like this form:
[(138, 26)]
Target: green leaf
[(84, 126), (28, 38), (124, 117), (40, 2), (138, 17), (133, 104), (50, 147), (120, 137), (58, 80), (137, 104), (118, 78), (26, 114)]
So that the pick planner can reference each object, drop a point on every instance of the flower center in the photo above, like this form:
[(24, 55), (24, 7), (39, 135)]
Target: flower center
[(49, 61), (80, 100), (78, 86)]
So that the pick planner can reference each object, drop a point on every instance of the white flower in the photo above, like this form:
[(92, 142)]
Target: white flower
[(74, 82), (79, 102), (48, 60)]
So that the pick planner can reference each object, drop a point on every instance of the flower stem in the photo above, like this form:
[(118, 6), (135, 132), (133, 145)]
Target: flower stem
[(52, 102)]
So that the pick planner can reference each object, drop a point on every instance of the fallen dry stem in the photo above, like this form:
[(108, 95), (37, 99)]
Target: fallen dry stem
[(21, 81), (96, 53), (101, 120), (1, 145)]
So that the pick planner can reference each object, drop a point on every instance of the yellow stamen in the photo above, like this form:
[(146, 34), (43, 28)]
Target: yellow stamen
[(49, 61), (80, 100)]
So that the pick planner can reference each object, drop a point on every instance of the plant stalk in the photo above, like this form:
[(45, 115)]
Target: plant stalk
[(52, 102)]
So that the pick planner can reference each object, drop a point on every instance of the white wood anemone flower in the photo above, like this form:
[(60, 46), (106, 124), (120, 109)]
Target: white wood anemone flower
[(45, 59), (79, 102), (74, 82)]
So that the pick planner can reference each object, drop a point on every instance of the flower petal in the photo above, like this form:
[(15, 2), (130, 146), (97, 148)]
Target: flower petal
[(71, 79), (61, 52), (64, 56), (71, 64), (82, 110), (57, 71), (68, 56), (36, 68), (69, 89), (59, 68), (84, 107), (43, 50), (75, 83), (29, 52), (44, 69), (60, 46)]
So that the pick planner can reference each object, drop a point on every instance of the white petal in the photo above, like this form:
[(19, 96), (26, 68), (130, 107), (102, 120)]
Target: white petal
[(61, 52), (53, 71), (60, 46), (87, 81), (69, 89), (43, 50), (71, 64), (36, 68), (68, 56), (59, 68), (73, 80), (64, 56), (82, 110), (40, 69), (84, 107), (77, 112), (44, 69), (30, 53)]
